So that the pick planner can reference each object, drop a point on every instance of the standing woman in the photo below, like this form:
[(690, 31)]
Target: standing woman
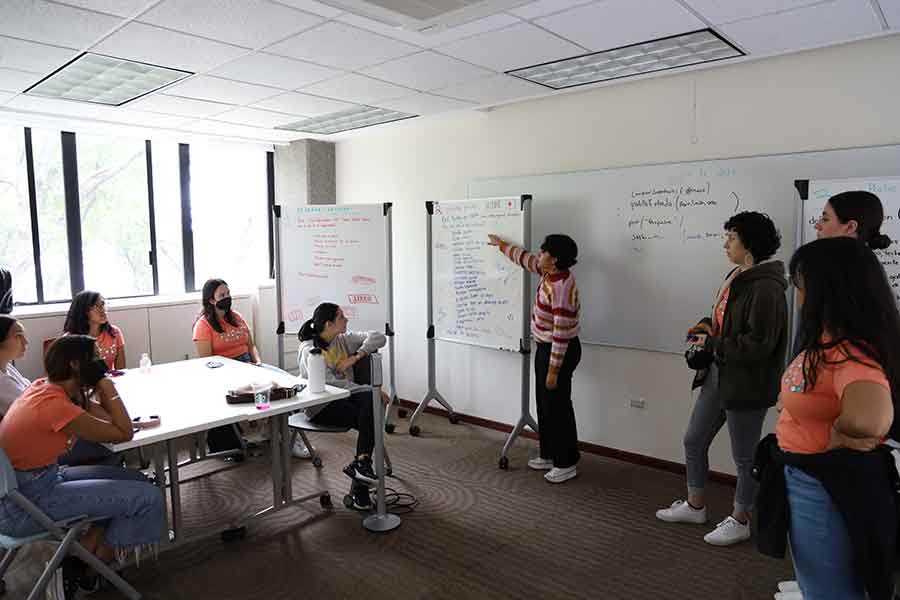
[(555, 327), (87, 316), (747, 340)]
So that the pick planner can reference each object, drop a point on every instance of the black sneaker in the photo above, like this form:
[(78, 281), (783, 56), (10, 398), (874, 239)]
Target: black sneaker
[(361, 470), (362, 500)]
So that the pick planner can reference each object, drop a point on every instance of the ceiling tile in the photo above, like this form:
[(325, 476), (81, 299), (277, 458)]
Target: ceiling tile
[(165, 48), (62, 107), (834, 22), (149, 119), (427, 71), (317, 8), (12, 80), (221, 90), (175, 105), (358, 89), (257, 118), (512, 48), (499, 88), (891, 9), (615, 23), (4, 96), (228, 129), (546, 7), (249, 23), (122, 8), (725, 11), (54, 23), (436, 38), (302, 104), (278, 71), (422, 104), (30, 56), (338, 45)]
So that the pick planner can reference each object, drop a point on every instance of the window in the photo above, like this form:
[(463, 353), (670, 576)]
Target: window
[(115, 215), (16, 249), (229, 214), (167, 206), (51, 208)]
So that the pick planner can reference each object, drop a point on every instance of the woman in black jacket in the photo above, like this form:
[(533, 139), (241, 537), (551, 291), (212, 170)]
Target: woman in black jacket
[(747, 339)]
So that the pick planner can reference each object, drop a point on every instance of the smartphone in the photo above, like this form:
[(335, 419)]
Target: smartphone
[(213, 364), (145, 422), (115, 373)]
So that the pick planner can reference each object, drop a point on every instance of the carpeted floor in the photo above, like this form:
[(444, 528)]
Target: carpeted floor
[(478, 532)]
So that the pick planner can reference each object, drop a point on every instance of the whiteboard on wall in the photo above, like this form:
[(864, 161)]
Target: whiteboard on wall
[(888, 191), (335, 253), (650, 237), (478, 292)]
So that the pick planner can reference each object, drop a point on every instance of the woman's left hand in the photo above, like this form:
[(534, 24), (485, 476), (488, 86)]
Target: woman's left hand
[(551, 381)]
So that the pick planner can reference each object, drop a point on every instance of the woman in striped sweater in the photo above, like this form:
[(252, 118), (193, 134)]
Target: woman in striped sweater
[(555, 327)]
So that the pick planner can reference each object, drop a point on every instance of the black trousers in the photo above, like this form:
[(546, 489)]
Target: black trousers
[(556, 417), (354, 412)]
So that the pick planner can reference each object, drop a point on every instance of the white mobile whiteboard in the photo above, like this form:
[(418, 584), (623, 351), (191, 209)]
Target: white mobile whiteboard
[(888, 191), (334, 253), (478, 292), (650, 237)]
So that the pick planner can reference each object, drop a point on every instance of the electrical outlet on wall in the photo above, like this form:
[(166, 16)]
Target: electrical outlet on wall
[(637, 402)]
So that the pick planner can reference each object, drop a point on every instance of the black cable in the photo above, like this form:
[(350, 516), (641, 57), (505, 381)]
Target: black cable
[(399, 503)]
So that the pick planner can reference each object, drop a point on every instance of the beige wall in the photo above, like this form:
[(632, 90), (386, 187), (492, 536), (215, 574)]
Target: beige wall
[(838, 97)]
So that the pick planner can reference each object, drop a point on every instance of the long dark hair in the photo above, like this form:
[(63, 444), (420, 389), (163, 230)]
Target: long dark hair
[(6, 324), (864, 208), (847, 296), (312, 329), (77, 318), (68, 349), (209, 311)]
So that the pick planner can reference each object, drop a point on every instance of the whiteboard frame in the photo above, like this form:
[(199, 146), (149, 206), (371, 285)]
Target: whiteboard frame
[(525, 208)]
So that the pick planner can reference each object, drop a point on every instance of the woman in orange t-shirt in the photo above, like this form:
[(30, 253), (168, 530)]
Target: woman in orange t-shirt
[(220, 330), (42, 424), (840, 391), (87, 316)]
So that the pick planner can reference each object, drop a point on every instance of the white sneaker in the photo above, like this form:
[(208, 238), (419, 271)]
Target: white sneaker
[(55, 589), (788, 586), (682, 512), (789, 596), (540, 464), (728, 532), (299, 449), (557, 475)]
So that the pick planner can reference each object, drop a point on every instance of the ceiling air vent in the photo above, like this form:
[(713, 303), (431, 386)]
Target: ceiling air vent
[(425, 15)]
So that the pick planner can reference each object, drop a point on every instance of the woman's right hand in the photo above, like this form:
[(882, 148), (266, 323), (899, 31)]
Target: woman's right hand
[(839, 440), (494, 240)]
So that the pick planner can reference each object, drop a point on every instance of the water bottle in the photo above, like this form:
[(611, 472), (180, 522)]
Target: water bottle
[(145, 363), (316, 371)]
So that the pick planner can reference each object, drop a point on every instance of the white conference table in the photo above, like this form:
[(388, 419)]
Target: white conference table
[(189, 398)]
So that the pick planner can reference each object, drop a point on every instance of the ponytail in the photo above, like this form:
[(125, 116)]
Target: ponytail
[(312, 328)]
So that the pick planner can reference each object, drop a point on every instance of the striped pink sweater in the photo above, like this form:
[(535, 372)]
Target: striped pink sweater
[(554, 317)]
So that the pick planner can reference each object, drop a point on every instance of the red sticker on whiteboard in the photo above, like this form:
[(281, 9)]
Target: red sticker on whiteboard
[(362, 298)]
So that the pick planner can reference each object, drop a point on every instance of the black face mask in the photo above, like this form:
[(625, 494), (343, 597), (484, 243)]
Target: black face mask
[(224, 304), (92, 373)]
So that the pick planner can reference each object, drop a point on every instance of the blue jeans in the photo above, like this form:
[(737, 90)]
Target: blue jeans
[(820, 545), (133, 508)]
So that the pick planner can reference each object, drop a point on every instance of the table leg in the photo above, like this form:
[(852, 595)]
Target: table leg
[(174, 487)]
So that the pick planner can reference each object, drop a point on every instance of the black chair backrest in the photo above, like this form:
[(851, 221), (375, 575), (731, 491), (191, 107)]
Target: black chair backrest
[(362, 371)]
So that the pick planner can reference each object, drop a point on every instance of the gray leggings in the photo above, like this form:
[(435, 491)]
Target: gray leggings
[(744, 428)]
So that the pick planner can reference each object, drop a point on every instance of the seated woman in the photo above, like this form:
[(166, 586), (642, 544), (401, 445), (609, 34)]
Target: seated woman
[(87, 316), (222, 331), (327, 330), (13, 345), (42, 424)]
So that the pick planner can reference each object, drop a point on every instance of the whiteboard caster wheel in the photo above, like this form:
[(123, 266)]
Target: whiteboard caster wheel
[(325, 502), (389, 471), (389, 428), (348, 501), (414, 431), (317, 462), (454, 418), (234, 534), (504, 463)]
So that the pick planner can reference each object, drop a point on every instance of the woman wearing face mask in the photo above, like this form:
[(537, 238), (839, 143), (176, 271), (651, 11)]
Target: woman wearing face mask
[(87, 316), (747, 337), (42, 424), (220, 330)]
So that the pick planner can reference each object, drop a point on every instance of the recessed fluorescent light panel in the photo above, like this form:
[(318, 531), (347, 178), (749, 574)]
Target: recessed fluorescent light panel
[(105, 80), (345, 120), (647, 57)]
